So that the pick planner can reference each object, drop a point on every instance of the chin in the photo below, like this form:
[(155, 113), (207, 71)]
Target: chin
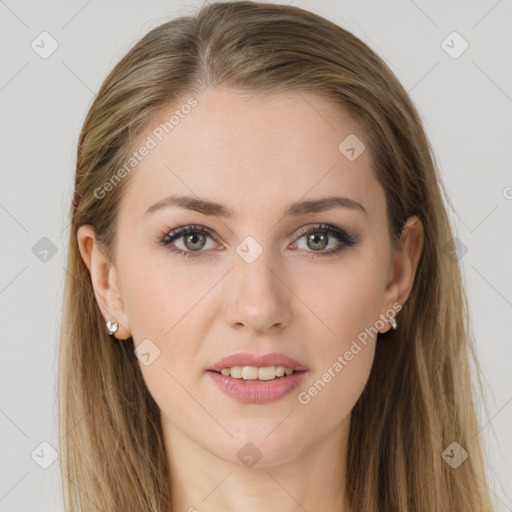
[(263, 444)]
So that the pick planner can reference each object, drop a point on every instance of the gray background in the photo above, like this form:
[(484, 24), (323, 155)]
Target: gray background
[(466, 105)]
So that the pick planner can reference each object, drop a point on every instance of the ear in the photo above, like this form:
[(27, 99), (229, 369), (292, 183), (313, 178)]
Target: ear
[(405, 263), (105, 281)]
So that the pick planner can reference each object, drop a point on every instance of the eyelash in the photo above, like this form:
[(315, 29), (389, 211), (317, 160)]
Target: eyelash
[(168, 237)]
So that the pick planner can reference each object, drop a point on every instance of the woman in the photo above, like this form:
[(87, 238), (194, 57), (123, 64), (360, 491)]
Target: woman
[(263, 307)]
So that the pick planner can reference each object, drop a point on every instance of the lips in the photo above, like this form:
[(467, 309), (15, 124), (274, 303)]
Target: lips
[(257, 391), (263, 360)]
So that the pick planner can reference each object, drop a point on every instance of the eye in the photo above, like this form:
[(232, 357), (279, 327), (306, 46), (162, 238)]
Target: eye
[(319, 237), (194, 239)]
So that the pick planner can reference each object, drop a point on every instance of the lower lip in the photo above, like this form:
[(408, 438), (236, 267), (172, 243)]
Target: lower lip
[(257, 391)]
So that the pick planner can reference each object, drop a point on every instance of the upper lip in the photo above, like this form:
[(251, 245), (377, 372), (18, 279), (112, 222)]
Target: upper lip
[(263, 360)]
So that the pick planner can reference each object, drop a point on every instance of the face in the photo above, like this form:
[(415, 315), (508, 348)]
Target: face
[(198, 286)]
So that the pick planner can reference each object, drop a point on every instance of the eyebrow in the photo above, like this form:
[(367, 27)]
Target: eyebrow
[(214, 208)]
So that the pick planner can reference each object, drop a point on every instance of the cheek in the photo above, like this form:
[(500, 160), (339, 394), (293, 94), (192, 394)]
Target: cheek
[(159, 295), (348, 307), (344, 357), (330, 395), (346, 299), (163, 305)]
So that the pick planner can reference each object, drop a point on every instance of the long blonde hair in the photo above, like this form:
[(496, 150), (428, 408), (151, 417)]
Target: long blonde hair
[(419, 397)]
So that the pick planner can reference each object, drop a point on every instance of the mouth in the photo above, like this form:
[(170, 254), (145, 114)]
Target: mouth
[(253, 379)]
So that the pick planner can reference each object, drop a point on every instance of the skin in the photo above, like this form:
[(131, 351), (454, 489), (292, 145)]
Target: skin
[(255, 155)]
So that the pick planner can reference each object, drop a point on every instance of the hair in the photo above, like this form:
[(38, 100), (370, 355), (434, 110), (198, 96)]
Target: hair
[(419, 396)]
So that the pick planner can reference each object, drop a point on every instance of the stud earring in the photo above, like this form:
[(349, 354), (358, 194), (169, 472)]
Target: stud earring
[(393, 323), (111, 328)]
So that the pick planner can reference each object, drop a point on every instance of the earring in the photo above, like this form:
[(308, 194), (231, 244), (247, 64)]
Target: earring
[(393, 323), (111, 328)]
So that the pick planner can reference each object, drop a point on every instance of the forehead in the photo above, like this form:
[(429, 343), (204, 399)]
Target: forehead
[(251, 151)]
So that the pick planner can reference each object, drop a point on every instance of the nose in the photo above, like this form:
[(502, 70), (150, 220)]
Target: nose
[(258, 296)]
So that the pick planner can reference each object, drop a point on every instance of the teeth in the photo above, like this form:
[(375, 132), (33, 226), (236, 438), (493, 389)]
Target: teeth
[(253, 372), (266, 373)]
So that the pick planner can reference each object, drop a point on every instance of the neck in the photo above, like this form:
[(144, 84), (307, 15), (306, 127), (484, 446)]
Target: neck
[(203, 482)]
